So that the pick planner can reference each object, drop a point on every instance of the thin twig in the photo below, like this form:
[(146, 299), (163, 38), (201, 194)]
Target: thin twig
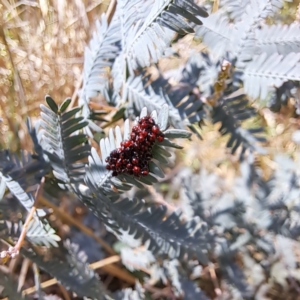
[(213, 276), (30, 216), (111, 10), (215, 6), (75, 94), (64, 292), (23, 273), (98, 106), (12, 252)]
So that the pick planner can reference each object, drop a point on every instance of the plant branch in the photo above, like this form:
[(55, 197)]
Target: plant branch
[(68, 218), (12, 252), (104, 263)]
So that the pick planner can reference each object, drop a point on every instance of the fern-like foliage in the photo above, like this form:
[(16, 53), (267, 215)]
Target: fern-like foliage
[(68, 268), (236, 8), (38, 233), (239, 228), (278, 38), (231, 112), (252, 46), (244, 37), (147, 34), (60, 141), (105, 188), (266, 210), (216, 33), (185, 105), (146, 44), (136, 41), (265, 72), (42, 235), (64, 148), (111, 186), (140, 94), (19, 174), (131, 221), (21, 177), (100, 54), (182, 97)]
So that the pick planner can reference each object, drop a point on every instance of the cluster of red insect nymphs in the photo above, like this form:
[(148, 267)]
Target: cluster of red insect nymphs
[(134, 155)]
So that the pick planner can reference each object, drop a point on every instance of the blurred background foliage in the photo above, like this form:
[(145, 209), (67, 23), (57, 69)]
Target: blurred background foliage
[(41, 52)]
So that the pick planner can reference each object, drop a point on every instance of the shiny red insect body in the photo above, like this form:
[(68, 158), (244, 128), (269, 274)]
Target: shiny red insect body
[(134, 155)]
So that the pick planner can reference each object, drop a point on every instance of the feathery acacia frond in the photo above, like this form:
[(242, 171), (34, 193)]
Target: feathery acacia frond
[(61, 142), (146, 43), (230, 112), (110, 185), (140, 94), (102, 51), (244, 38), (236, 8), (41, 233), (280, 38), (238, 39), (71, 271), (18, 175), (99, 57), (181, 97), (131, 221), (217, 33), (38, 232), (222, 224), (185, 105), (130, 217), (266, 72), (163, 235)]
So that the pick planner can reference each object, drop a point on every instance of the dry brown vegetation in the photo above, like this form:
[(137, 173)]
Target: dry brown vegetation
[(41, 52)]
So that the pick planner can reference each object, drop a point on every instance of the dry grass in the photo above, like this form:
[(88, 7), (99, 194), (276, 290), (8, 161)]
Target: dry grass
[(41, 52)]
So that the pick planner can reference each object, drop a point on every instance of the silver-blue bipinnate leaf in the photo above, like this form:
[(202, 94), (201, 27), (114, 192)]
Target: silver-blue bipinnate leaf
[(112, 186), (147, 39), (278, 38), (265, 72), (41, 233), (99, 56)]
